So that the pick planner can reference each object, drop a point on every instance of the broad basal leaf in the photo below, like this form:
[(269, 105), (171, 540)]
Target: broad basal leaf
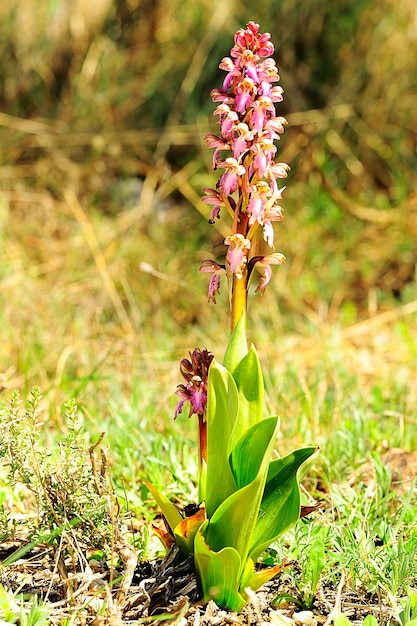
[(169, 510), (222, 408), (218, 573), (280, 506), (249, 452), (237, 347), (232, 524), (250, 386), (254, 580)]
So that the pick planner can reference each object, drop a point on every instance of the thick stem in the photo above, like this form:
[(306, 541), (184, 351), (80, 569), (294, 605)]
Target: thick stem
[(239, 300)]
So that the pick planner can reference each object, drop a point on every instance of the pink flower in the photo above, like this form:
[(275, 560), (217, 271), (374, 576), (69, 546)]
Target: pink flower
[(276, 94), (228, 65), (243, 138), (213, 197), (250, 66), (279, 170), (195, 372), (228, 118), (217, 95), (268, 71), (229, 180), (259, 196), (214, 287), (265, 265), (213, 141), (236, 256), (264, 151), (262, 109), (268, 229), (272, 213), (245, 92), (249, 39), (275, 126)]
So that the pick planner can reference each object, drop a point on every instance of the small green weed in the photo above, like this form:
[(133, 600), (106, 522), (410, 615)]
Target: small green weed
[(68, 489), (14, 609), (368, 535), (408, 612), (313, 562)]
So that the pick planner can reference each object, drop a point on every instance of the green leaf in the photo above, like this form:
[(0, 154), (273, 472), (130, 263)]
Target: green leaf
[(249, 452), (237, 347), (218, 573), (250, 385), (316, 556), (186, 530), (222, 408), (233, 522), (370, 620), (253, 579), (280, 506), (341, 620), (169, 510)]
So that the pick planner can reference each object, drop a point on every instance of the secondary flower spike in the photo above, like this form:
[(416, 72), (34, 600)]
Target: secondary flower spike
[(195, 372), (244, 153)]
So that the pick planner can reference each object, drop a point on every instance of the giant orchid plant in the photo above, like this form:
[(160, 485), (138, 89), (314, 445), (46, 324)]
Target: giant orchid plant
[(248, 498)]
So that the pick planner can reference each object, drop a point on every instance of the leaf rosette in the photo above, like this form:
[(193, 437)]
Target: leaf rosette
[(250, 499)]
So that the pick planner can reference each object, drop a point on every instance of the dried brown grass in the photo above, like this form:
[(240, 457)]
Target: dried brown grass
[(99, 175)]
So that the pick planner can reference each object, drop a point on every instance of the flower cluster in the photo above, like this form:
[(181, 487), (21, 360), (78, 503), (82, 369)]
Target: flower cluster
[(245, 152), (195, 373)]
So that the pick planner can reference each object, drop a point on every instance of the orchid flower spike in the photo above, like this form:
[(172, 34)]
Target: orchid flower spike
[(244, 151)]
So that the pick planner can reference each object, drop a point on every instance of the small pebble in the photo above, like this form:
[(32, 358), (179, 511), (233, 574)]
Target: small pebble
[(304, 617), (280, 619)]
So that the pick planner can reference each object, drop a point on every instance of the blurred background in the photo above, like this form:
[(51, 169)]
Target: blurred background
[(103, 109)]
